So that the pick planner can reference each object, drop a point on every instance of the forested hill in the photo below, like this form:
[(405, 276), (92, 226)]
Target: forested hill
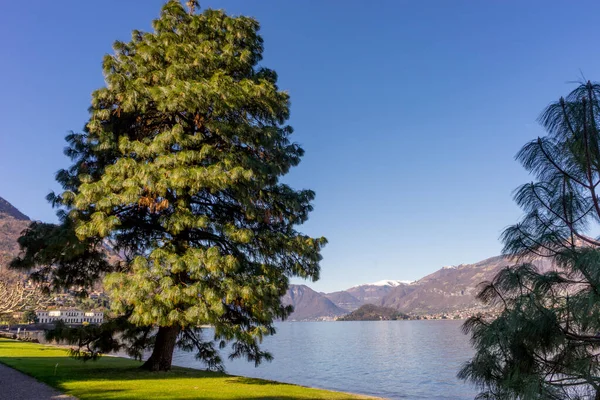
[(12, 223), (371, 312), (310, 305)]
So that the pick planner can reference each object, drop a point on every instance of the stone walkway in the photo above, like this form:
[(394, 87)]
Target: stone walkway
[(15, 385)]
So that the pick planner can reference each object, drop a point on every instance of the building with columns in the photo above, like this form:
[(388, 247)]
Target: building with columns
[(70, 316)]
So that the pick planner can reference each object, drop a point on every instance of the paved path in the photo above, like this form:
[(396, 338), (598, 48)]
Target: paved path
[(15, 385)]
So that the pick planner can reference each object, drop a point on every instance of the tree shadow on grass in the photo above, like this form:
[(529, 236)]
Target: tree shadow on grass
[(255, 381), (63, 372), (112, 367)]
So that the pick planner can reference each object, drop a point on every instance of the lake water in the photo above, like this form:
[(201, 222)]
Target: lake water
[(391, 359)]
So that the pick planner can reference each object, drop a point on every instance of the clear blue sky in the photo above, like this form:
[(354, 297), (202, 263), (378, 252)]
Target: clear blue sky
[(410, 112)]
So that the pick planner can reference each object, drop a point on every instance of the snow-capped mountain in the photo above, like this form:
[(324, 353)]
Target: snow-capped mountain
[(451, 289), (353, 298), (386, 282)]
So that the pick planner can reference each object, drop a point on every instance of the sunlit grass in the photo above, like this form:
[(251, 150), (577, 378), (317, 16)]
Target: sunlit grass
[(120, 378)]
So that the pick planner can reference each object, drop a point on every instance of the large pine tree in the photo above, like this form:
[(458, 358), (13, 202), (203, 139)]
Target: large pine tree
[(545, 343), (179, 168)]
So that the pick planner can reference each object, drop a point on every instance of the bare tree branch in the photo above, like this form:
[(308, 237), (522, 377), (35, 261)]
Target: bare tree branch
[(16, 296)]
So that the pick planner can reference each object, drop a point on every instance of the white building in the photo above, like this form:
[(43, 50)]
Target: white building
[(70, 316)]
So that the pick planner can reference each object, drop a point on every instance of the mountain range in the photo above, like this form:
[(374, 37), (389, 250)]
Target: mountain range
[(449, 290)]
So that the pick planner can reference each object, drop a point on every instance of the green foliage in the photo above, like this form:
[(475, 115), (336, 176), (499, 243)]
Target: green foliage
[(57, 260), (87, 303), (29, 316), (178, 168), (545, 343), (115, 334)]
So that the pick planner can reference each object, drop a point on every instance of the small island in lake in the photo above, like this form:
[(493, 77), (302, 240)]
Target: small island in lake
[(371, 312)]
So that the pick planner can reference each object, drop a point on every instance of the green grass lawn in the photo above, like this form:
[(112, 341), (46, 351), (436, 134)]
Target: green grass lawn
[(120, 378)]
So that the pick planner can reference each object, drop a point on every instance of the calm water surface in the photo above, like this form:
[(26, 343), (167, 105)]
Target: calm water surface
[(391, 359)]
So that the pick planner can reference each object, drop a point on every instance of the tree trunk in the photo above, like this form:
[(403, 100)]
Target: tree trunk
[(162, 354)]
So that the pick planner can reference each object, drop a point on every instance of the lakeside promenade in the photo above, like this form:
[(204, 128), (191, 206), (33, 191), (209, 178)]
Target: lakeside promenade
[(18, 386)]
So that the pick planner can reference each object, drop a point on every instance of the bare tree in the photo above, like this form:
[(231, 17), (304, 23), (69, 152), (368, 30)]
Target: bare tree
[(16, 296)]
